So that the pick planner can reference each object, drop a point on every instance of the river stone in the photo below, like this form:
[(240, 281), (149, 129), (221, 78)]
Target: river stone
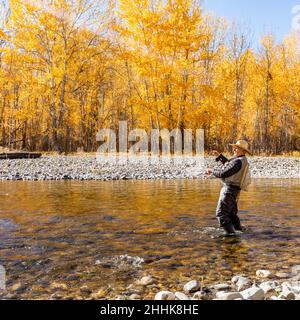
[(146, 281), (269, 286), (120, 297), (241, 283), (181, 296), (253, 293), (165, 295), (56, 296), (17, 287), (201, 295), (295, 289), (100, 294), (293, 286), (264, 274), (192, 286), (228, 295), (85, 290), (287, 295), (296, 269), (135, 296), (221, 287), (58, 286), (283, 275), (275, 298), (286, 284), (296, 277)]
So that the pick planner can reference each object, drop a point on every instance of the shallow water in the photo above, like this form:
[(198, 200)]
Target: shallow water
[(106, 235)]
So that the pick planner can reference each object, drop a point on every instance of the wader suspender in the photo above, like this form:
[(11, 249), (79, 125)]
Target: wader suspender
[(243, 180)]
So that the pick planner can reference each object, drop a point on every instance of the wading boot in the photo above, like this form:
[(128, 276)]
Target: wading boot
[(229, 230), (240, 228)]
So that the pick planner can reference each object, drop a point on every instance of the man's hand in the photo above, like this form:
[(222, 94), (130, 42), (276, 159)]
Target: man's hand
[(208, 174)]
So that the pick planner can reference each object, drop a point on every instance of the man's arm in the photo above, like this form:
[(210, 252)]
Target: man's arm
[(232, 168)]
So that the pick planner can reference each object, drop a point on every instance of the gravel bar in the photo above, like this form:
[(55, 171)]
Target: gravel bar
[(88, 168)]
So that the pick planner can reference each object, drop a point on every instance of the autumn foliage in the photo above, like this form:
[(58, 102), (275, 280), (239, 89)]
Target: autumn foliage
[(70, 68)]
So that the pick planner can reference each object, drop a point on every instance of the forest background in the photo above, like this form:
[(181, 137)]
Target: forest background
[(71, 67)]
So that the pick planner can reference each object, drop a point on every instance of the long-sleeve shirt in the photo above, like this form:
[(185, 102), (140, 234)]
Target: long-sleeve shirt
[(233, 166)]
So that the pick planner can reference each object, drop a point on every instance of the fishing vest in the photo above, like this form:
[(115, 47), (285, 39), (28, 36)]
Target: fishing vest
[(236, 179)]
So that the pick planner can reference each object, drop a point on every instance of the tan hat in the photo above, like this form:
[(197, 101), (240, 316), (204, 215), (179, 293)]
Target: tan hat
[(242, 144)]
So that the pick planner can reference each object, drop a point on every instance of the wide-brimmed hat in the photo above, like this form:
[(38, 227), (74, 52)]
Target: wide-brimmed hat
[(242, 144)]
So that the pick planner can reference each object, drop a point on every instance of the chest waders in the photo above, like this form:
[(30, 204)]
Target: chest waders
[(227, 209)]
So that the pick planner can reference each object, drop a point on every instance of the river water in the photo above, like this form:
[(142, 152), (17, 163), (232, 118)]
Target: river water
[(106, 235)]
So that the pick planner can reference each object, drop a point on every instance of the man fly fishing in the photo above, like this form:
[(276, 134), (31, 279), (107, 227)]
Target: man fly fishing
[(235, 175)]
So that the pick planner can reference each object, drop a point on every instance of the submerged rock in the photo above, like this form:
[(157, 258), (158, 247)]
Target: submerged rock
[(17, 287), (146, 281), (58, 286), (85, 290)]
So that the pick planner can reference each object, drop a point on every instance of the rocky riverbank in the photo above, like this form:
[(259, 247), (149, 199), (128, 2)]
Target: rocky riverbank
[(88, 168), (263, 286)]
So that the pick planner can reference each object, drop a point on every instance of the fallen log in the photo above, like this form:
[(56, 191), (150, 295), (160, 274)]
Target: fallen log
[(20, 155)]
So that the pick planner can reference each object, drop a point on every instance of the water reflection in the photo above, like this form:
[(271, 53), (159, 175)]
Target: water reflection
[(57, 231)]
